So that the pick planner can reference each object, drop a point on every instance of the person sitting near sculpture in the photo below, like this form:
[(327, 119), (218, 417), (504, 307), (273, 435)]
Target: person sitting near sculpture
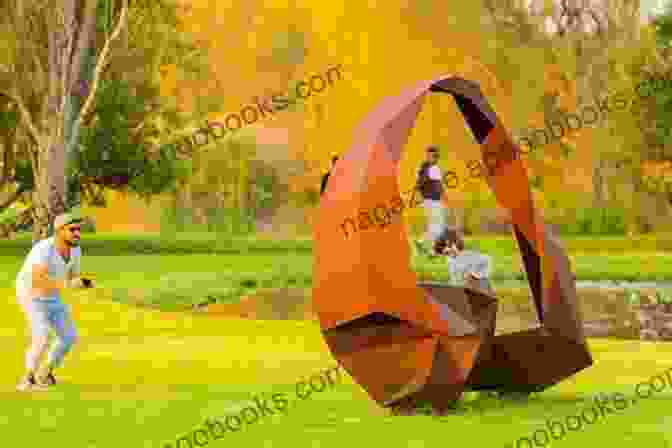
[(466, 267)]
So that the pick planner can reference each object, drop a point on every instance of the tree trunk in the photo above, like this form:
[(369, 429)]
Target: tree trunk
[(49, 195), (70, 67), (75, 100)]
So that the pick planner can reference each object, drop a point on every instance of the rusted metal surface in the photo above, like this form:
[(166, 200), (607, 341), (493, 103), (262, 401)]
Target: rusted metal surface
[(402, 340)]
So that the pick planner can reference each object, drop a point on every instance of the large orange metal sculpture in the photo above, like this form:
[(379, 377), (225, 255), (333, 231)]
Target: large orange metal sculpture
[(404, 341)]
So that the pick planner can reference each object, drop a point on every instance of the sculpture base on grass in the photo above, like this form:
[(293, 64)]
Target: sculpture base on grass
[(517, 363)]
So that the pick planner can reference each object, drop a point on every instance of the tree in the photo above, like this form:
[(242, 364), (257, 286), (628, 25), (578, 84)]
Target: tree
[(111, 155), (52, 78), (44, 73), (585, 39), (115, 156), (8, 133), (223, 168), (656, 114)]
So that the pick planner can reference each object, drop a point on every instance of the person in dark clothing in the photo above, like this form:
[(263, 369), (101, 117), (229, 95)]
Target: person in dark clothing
[(429, 183), (325, 178)]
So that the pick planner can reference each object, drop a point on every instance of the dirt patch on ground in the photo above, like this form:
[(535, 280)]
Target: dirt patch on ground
[(285, 304), (605, 313)]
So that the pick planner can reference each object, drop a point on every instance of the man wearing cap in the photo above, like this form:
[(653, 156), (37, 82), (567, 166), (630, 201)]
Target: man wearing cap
[(51, 265), (430, 185)]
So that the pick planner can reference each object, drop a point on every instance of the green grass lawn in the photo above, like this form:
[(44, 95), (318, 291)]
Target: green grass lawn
[(187, 279), (142, 377), (139, 378), (176, 273)]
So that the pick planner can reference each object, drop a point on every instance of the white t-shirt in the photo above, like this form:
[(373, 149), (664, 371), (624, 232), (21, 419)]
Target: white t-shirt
[(44, 252), (468, 261), (434, 172)]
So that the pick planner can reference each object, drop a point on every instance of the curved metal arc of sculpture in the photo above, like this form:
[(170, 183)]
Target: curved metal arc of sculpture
[(370, 306)]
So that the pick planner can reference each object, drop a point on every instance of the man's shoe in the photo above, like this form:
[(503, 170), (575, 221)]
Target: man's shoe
[(29, 383)]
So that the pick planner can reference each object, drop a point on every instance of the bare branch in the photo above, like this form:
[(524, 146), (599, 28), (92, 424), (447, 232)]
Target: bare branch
[(63, 40), (101, 62), (600, 27), (41, 72), (22, 216), (8, 158), (33, 155), (12, 199), (84, 38), (5, 167), (25, 115)]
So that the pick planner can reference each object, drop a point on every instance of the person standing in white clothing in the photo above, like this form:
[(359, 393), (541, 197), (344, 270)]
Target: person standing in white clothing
[(430, 185), (52, 264), (465, 267)]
